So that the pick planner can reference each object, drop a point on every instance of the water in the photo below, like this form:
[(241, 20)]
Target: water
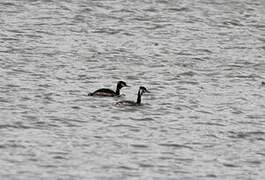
[(203, 61)]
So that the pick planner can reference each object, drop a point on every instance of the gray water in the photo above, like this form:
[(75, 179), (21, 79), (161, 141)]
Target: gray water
[(203, 62)]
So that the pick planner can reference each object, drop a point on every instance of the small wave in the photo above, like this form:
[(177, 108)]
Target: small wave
[(175, 145), (107, 31), (258, 135), (125, 125), (178, 9), (7, 4), (145, 165), (256, 116), (209, 123), (59, 157), (142, 119), (139, 145), (231, 165), (188, 73), (15, 126)]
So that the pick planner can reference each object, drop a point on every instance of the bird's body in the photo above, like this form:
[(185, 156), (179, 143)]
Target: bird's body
[(108, 92), (127, 103), (103, 92)]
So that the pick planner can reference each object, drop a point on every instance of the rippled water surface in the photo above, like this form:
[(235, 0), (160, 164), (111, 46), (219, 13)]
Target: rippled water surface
[(203, 61)]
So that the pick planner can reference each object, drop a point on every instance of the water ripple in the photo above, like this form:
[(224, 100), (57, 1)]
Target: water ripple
[(202, 61)]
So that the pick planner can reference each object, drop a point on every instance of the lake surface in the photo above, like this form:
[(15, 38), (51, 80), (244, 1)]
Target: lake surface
[(203, 61)]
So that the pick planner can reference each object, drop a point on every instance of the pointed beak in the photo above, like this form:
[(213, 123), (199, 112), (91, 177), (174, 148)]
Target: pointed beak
[(127, 85), (148, 91)]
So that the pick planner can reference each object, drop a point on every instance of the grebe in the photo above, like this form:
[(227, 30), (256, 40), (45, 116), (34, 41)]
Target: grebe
[(141, 91), (109, 92)]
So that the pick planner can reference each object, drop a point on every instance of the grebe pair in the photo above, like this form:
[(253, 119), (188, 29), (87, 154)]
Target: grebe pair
[(110, 93)]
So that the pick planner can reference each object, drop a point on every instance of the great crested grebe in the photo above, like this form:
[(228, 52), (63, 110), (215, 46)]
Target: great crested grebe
[(108, 92), (141, 91)]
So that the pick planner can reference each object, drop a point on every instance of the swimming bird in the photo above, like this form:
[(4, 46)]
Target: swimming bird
[(109, 92), (141, 91)]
